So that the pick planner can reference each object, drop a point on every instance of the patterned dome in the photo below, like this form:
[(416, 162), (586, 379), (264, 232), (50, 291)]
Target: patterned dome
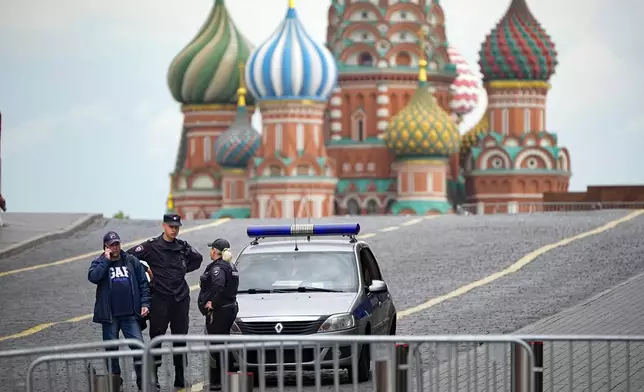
[(471, 137), (518, 48), (205, 71), (235, 147), (465, 87), (422, 128), (290, 65)]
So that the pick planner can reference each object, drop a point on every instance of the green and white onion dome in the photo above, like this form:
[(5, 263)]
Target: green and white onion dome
[(207, 70)]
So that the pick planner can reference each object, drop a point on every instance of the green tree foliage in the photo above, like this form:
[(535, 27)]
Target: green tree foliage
[(120, 215)]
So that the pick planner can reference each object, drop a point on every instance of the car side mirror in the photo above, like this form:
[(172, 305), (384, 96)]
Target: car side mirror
[(377, 286)]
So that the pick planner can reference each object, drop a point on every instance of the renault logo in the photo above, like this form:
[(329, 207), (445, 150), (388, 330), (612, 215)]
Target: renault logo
[(279, 327)]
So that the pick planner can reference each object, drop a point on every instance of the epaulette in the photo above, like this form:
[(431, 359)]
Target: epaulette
[(152, 239)]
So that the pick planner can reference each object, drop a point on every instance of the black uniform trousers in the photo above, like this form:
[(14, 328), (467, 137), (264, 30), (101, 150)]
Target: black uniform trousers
[(219, 322), (168, 311)]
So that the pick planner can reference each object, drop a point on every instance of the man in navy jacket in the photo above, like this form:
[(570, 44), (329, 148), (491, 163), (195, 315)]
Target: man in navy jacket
[(122, 296)]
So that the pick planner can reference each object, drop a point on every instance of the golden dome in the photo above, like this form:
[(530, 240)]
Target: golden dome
[(422, 128)]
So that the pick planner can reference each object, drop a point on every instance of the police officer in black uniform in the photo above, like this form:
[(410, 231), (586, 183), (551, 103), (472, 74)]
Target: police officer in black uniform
[(170, 259), (218, 300)]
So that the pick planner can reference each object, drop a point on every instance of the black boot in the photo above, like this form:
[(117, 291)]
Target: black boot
[(179, 380), (215, 379)]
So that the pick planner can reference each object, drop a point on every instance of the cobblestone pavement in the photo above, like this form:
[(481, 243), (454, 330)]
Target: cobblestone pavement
[(419, 261), (18, 227)]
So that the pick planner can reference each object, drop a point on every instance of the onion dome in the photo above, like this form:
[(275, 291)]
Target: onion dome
[(465, 87), (422, 128), (235, 147), (518, 48), (290, 65), (205, 71), (472, 137)]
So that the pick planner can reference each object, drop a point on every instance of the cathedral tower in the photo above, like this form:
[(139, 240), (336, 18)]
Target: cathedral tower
[(518, 160), (375, 46), (204, 78), (292, 77), (232, 151), (423, 137)]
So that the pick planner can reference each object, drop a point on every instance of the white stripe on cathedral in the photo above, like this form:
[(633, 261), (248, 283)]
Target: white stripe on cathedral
[(383, 112), (336, 137), (336, 101), (336, 126), (383, 99), (292, 121), (278, 137), (336, 113), (382, 125), (207, 149), (317, 136), (383, 89), (504, 105), (299, 137)]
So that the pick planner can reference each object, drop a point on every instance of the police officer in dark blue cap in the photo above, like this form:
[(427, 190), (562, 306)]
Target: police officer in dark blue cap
[(218, 300), (170, 259)]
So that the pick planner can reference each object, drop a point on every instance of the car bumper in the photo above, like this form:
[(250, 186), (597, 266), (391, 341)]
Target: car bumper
[(288, 358)]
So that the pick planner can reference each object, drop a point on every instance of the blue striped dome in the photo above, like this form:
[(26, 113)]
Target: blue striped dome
[(290, 65)]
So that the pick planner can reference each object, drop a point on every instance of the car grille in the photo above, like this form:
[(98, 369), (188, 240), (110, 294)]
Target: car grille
[(289, 327)]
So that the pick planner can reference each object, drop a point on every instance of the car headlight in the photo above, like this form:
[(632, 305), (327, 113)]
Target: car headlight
[(234, 330), (338, 322)]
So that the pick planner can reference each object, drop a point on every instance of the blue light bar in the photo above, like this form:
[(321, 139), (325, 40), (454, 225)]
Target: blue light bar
[(303, 230)]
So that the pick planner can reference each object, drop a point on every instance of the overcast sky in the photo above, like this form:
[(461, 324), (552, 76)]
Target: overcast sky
[(90, 126)]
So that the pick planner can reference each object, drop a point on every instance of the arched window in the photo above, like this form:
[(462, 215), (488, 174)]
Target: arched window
[(365, 60), (372, 207), (353, 208)]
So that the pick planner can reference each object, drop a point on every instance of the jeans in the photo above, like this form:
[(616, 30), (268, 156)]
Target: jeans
[(130, 328)]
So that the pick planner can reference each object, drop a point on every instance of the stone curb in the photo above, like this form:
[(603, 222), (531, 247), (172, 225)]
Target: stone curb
[(53, 235)]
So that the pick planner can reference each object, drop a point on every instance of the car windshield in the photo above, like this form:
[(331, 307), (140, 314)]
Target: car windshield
[(306, 271)]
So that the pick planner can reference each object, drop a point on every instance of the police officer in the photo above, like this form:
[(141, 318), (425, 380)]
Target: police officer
[(218, 300), (170, 259)]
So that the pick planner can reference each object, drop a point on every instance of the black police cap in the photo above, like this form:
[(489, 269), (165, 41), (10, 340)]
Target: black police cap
[(220, 244), (172, 219)]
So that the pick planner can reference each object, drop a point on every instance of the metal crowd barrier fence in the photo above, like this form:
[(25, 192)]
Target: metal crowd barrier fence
[(488, 208), (517, 363), (398, 363), (17, 373)]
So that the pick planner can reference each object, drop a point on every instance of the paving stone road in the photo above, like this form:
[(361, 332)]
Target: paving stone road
[(442, 255)]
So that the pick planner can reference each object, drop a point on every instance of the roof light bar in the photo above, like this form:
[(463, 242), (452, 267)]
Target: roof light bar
[(303, 230)]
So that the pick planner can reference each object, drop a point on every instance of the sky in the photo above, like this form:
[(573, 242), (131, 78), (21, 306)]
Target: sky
[(90, 126)]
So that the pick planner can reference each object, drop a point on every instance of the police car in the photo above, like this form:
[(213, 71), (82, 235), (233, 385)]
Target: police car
[(303, 287)]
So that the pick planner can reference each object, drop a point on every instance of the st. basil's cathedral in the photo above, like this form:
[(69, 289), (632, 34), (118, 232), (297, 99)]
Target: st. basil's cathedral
[(366, 124)]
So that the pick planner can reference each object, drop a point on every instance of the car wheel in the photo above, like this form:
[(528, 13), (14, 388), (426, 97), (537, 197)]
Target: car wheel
[(364, 365), (392, 327)]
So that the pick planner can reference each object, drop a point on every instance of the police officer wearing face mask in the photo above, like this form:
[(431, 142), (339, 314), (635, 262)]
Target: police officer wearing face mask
[(170, 259), (218, 300)]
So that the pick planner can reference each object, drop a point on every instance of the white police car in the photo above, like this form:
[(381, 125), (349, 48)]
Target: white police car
[(304, 287)]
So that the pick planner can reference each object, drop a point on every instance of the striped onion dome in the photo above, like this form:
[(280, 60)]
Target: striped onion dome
[(206, 71), (464, 90), (235, 147), (518, 48), (290, 65)]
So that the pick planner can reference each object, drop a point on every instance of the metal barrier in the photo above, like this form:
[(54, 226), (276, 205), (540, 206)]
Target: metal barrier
[(15, 375), (489, 208), (587, 362), (398, 363), (517, 363)]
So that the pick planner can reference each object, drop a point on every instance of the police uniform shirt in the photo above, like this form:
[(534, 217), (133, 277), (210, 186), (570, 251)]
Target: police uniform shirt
[(121, 289), (219, 284), (169, 262)]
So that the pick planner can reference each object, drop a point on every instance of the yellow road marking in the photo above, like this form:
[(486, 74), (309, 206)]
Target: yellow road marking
[(95, 253), (390, 228), (41, 327), (522, 262), (412, 222), (427, 217), (194, 388)]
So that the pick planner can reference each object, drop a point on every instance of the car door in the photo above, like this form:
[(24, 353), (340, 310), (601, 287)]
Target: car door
[(384, 297), (378, 317)]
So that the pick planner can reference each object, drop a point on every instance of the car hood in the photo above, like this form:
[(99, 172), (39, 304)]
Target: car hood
[(293, 304)]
